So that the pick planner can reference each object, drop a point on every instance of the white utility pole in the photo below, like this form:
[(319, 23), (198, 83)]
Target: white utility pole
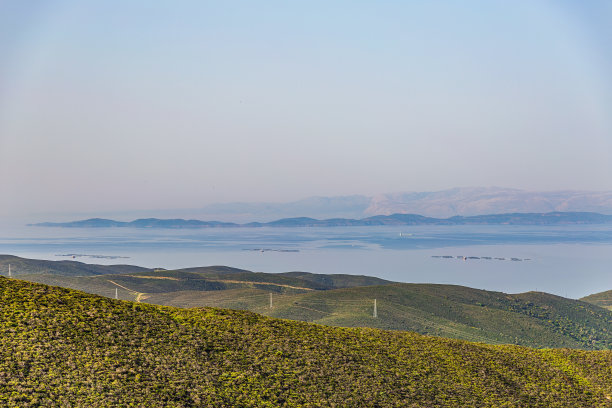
[(270, 300), (375, 314), (116, 294), (10, 274)]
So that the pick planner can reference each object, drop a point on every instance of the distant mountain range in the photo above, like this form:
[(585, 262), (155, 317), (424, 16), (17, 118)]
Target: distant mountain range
[(492, 200), (437, 204), (550, 218), (440, 204)]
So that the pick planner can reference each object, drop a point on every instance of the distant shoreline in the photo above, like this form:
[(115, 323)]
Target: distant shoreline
[(550, 218)]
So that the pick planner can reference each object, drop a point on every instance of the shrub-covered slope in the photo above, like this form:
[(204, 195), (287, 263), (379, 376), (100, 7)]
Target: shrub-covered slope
[(532, 319), (60, 347), (602, 299)]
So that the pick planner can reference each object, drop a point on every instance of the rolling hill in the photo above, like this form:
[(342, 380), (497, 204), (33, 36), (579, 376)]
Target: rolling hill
[(532, 319), (60, 347), (131, 281), (535, 319), (602, 299), (22, 266)]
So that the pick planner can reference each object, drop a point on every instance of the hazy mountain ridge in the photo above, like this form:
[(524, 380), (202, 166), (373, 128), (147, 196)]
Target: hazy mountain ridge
[(467, 201), (394, 219), (491, 200), (317, 207), (461, 201)]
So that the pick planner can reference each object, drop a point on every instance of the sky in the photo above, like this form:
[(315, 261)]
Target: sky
[(127, 105)]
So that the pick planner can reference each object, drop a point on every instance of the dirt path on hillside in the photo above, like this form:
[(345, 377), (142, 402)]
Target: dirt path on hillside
[(139, 295)]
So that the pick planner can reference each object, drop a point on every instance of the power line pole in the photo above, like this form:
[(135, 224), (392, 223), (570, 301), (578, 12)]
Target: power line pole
[(270, 300), (375, 314), (116, 294), (10, 274)]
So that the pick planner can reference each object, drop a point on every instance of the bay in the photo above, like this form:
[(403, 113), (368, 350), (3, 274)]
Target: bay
[(568, 260)]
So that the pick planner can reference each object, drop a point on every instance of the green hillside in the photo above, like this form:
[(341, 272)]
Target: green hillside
[(532, 319), (602, 299), (60, 347)]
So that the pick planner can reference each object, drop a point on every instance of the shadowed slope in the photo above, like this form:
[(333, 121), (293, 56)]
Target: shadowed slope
[(24, 266)]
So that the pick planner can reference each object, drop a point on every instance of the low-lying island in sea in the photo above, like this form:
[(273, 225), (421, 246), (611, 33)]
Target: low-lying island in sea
[(465, 258)]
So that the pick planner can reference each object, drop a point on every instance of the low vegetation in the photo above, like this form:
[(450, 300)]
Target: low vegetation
[(532, 319), (602, 299), (60, 347)]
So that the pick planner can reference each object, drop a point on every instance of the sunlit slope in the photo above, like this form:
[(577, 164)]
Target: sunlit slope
[(534, 319), (60, 347), (602, 299)]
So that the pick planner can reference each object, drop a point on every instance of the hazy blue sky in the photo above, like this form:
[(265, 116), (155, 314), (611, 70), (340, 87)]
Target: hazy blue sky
[(113, 105)]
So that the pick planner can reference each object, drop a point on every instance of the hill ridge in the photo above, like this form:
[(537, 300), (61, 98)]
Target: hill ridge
[(549, 218)]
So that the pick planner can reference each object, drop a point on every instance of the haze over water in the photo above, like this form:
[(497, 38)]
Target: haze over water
[(131, 107), (140, 105), (571, 261)]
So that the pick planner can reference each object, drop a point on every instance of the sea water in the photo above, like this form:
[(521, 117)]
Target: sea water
[(568, 260)]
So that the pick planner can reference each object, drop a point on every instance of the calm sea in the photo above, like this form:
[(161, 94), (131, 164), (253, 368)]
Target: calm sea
[(571, 261)]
